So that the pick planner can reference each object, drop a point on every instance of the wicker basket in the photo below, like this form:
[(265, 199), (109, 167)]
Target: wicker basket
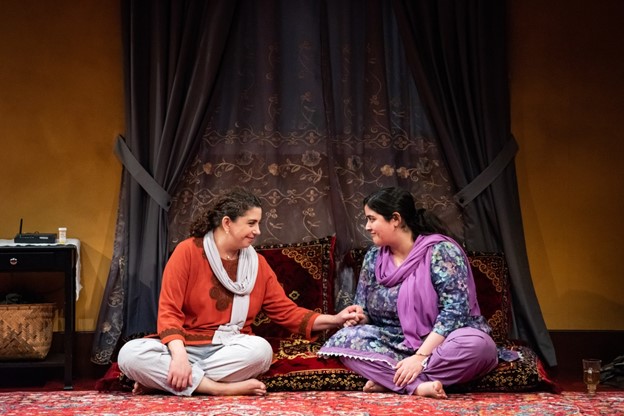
[(26, 331)]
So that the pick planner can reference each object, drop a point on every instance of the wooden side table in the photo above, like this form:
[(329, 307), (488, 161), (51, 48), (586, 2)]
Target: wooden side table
[(18, 258)]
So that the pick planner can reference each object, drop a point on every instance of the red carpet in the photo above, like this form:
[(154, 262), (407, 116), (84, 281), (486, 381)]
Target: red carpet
[(310, 403)]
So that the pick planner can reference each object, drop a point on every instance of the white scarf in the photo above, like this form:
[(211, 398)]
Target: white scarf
[(245, 280)]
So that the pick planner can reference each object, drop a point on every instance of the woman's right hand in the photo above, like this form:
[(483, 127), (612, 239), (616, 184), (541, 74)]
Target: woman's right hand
[(180, 374)]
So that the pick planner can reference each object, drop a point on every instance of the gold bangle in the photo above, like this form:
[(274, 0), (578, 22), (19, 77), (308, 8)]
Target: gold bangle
[(423, 355)]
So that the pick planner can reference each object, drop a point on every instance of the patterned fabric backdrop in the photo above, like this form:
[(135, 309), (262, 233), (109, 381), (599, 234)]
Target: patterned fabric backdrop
[(313, 136), (295, 190)]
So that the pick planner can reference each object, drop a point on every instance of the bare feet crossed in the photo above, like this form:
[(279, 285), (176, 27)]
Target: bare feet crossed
[(251, 387)]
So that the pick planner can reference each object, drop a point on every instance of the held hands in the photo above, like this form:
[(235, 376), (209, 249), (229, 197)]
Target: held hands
[(351, 315), (407, 370)]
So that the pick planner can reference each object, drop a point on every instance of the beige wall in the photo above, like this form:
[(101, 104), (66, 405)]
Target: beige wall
[(61, 107), (567, 85)]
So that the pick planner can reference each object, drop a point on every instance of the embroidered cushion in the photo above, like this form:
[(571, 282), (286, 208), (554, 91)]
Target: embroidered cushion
[(297, 368), (492, 282), (306, 272)]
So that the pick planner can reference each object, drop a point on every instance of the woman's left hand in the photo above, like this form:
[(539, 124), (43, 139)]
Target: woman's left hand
[(407, 370)]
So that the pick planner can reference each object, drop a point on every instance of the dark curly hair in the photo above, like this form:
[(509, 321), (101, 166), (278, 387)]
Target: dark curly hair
[(420, 221), (232, 204)]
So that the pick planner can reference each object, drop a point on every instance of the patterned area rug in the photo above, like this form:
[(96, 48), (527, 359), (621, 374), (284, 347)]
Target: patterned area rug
[(310, 403)]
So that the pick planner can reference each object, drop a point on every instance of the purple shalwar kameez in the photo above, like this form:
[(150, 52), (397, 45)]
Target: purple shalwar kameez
[(433, 290)]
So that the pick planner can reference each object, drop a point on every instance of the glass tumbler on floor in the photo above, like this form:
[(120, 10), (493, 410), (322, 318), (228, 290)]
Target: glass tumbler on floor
[(591, 374)]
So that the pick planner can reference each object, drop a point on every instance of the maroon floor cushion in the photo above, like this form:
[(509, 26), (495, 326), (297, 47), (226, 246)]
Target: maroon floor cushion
[(306, 271)]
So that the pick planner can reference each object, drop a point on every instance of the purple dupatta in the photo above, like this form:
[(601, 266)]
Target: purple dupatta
[(417, 304)]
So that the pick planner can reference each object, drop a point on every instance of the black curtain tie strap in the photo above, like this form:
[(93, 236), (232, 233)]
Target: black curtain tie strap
[(489, 174), (138, 172)]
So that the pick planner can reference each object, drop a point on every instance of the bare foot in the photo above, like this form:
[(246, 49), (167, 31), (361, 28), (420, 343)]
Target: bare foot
[(251, 387), (431, 389), (372, 387), (139, 388)]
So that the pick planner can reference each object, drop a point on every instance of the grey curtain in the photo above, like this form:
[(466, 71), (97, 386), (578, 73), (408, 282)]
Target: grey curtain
[(312, 104), (457, 52), (172, 51)]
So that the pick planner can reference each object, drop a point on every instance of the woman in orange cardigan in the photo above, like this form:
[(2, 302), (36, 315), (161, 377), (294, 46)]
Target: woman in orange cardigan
[(213, 286)]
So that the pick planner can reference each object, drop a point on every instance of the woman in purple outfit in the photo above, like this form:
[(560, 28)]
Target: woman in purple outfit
[(418, 327)]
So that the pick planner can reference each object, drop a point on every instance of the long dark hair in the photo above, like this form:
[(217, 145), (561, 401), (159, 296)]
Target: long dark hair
[(420, 221), (232, 204)]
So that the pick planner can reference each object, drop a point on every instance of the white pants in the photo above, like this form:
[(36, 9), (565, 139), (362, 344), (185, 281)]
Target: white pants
[(147, 360)]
